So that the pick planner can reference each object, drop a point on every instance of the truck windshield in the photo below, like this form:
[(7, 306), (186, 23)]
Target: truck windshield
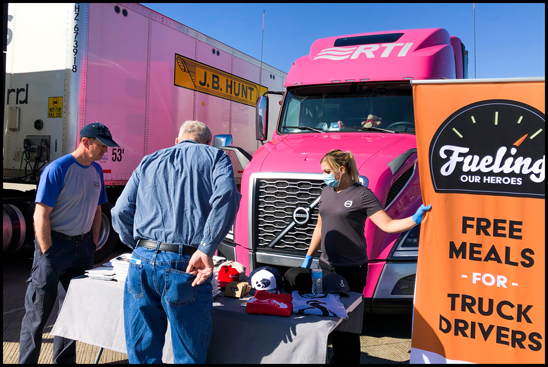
[(348, 108)]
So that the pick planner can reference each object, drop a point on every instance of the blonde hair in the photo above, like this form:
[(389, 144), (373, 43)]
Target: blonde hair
[(336, 158)]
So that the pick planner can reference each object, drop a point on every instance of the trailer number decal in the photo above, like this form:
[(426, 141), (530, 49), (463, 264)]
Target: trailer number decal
[(76, 29), (200, 77), (117, 154), (55, 107)]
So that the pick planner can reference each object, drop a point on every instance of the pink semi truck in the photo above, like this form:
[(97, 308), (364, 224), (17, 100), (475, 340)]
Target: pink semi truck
[(352, 93)]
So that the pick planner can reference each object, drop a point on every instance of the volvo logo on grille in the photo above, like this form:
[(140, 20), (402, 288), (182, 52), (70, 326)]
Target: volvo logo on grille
[(301, 215)]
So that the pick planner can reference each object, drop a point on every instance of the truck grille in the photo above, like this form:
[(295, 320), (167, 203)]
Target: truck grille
[(275, 201), (398, 185)]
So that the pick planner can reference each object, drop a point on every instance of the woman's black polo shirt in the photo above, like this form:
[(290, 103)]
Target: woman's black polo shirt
[(343, 220)]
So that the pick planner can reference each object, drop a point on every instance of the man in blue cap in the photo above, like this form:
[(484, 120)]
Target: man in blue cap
[(67, 220)]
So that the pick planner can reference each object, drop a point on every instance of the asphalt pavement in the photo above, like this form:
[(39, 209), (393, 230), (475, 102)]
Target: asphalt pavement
[(385, 339)]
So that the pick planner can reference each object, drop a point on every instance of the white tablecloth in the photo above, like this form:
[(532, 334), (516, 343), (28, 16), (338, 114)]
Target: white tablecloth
[(93, 313)]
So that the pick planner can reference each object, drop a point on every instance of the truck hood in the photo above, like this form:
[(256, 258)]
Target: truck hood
[(303, 152)]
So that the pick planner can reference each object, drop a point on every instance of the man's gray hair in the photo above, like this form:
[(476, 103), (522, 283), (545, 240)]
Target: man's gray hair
[(198, 130)]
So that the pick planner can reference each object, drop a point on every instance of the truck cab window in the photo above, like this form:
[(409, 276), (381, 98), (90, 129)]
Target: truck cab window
[(347, 109), (291, 116)]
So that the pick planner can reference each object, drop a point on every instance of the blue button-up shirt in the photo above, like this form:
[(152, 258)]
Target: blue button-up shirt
[(185, 194)]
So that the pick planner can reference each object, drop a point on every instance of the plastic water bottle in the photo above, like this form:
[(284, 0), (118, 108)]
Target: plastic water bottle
[(317, 278)]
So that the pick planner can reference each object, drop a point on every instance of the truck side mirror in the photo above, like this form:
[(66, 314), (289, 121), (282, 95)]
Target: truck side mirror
[(261, 118), (222, 140)]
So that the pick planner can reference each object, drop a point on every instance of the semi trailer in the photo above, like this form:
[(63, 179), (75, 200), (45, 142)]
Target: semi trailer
[(136, 71)]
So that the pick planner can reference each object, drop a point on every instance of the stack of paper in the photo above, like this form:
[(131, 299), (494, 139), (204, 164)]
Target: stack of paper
[(101, 273), (217, 261), (117, 269), (120, 264), (214, 282)]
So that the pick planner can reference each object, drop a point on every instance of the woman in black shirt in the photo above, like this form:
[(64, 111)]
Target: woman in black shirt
[(344, 206)]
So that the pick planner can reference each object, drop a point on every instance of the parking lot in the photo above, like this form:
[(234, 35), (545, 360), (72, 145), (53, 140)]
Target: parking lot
[(385, 339)]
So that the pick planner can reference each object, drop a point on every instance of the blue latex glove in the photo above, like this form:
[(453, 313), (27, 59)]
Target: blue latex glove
[(307, 262), (417, 217)]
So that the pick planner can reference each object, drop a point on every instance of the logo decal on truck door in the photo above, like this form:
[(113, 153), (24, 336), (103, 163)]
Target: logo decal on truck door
[(203, 78)]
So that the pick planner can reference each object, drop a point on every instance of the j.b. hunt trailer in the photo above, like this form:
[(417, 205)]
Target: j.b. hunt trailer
[(128, 67)]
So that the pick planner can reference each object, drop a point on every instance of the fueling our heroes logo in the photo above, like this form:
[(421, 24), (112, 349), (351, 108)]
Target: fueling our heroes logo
[(491, 147)]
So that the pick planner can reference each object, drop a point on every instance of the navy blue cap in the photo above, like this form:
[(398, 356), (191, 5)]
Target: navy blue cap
[(100, 132), (335, 283)]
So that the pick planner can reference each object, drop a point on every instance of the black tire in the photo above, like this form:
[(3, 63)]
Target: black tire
[(14, 228), (108, 238), (29, 218)]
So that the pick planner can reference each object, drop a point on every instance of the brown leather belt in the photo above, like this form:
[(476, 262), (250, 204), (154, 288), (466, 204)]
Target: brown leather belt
[(169, 247)]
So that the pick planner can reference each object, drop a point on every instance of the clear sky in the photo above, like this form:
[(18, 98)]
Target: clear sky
[(510, 38)]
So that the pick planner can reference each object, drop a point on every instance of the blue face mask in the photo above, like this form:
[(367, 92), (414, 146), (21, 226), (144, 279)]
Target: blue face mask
[(331, 181)]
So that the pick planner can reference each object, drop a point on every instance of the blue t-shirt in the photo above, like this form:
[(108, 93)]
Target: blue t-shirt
[(74, 191)]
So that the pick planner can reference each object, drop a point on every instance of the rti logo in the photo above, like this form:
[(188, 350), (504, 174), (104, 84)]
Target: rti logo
[(343, 53), (493, 147)]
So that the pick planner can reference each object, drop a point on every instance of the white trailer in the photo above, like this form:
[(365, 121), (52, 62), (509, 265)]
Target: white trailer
[(128, 67)]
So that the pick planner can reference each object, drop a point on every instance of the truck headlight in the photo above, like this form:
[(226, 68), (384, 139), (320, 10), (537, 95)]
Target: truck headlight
[(407, 245)]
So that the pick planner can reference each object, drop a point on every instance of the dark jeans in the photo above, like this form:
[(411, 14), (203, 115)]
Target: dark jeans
[(49, 277), (346, 346)]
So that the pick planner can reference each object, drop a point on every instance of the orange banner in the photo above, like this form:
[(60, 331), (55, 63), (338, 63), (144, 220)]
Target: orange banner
[(480, 285)]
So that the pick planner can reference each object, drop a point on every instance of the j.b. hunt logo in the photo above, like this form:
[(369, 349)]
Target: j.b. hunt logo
[(343, 53), (493, 147)]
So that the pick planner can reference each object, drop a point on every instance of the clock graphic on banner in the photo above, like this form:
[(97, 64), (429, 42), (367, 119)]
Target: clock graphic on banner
[(492, 147)]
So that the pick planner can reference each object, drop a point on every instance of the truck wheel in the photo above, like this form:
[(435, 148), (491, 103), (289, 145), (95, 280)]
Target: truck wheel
[(14, 228), (108, 238)]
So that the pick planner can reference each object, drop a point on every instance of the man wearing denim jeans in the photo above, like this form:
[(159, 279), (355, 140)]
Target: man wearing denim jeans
[(177, 206), (67, 221)]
